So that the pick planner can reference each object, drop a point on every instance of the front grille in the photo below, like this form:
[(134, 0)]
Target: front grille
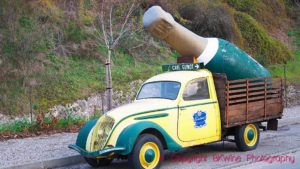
[(102, 131)]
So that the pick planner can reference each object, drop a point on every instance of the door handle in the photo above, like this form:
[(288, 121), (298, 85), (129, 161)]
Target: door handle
[(183, 108)]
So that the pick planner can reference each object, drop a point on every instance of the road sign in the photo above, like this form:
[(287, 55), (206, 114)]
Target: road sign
[(182, 67)]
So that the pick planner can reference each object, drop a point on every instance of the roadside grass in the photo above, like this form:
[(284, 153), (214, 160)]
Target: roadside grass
[(25, 128), (292, 66), (17, 126), (292, 69), (66, 79), (25, 125), (69, 78), (77, 77)]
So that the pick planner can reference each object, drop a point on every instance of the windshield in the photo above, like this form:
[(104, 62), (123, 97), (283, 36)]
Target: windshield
[(161, 89)]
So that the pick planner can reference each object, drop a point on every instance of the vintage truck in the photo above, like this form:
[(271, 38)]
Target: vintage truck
[(183, 107)]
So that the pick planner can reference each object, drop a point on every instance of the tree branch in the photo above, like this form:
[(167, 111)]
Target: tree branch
[(98, 35), (123, 29), (103, 26), (110, 24)]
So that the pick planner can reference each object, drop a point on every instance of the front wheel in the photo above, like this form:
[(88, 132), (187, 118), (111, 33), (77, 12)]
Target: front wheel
[(247, 137), (101, 162), (147, 152)]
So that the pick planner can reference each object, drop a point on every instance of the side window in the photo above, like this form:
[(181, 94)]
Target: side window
[(196, 90)]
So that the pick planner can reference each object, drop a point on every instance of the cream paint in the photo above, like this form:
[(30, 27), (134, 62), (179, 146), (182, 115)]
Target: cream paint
[(187, 132), (162, 25), (88, 145), (210, 51), (179, 76), (218, 55), (140, 106), (169, 123), (186, 126), (155, 14)]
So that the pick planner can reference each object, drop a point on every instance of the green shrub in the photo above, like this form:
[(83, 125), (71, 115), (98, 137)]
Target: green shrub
[(259, 43), (74, 32), (269, 13), (48, 123), (70, 120), (215, 20), (16, 126), (293, 66), (249, 6), (25, 22), (33, 47)]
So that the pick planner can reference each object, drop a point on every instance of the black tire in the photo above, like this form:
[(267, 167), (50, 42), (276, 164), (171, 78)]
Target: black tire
[(154, 146), (98, 162), (247, 137)]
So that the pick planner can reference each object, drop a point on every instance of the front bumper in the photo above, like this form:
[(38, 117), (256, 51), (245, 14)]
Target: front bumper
[(106, 152)]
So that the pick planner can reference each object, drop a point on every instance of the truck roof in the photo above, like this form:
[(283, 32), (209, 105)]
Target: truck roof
[(180, 76)]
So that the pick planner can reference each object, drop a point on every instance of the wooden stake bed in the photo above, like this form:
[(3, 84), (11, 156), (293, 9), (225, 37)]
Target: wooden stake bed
[(248, 100)]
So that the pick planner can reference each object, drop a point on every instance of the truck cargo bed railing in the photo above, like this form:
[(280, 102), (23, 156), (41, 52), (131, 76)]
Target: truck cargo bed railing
[(249, 100)]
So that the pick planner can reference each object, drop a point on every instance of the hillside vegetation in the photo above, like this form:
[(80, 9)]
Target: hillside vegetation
[(50, 54)]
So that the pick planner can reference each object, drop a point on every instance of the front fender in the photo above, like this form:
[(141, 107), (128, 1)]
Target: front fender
[(84, 133), (128, 136)]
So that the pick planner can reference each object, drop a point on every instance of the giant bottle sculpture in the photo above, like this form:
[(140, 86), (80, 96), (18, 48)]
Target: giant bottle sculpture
[(218, 55)]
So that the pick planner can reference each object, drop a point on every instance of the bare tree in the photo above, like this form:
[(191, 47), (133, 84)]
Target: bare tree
[(297, 2), (111, 33)]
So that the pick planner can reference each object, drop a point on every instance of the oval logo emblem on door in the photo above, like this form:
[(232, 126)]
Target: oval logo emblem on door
[(199, 119)]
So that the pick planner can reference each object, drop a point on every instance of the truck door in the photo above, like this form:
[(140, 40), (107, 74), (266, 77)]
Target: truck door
[(197, 112)]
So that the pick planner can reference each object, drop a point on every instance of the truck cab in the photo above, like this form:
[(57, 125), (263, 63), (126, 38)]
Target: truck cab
[(171, 111), (194, 95)]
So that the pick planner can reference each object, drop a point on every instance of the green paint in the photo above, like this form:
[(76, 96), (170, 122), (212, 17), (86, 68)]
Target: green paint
[(84, 133), (99, 153), (182, 67), (149, 155), (152, 111), (152, 116), (145, 112), (192, 105), (250, 135), (128, 136), (235, 63)]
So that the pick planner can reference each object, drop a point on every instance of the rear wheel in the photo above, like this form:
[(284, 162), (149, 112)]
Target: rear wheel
[(94, 162), (146, 153), (247, 137)]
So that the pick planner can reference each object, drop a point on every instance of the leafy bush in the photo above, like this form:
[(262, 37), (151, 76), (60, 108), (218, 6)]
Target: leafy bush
[(51, 42), (74, 33), (16, 126), (269, 13), (42, 123), (213, 21), (259, 43)]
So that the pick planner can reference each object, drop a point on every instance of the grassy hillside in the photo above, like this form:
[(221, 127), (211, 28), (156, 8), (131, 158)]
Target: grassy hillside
[(258, 27), (292, 66), (49, 52)]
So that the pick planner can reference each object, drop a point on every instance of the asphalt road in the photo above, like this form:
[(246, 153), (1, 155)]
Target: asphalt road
[(278, 165), (277, 149)]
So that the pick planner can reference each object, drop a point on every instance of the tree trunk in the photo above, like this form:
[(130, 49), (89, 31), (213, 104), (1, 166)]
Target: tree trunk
[(109, 81), (30, 103)]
